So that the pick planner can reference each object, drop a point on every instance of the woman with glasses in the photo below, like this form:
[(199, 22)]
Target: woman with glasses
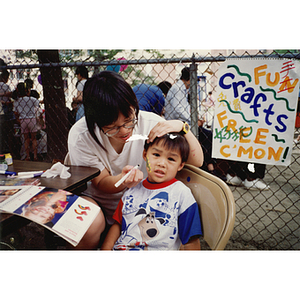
[(100, 140)]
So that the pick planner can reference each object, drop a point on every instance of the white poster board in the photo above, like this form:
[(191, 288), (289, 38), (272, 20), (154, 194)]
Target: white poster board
[(255, 110)]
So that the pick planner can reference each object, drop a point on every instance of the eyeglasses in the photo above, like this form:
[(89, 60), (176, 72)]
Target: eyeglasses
[(128, 125)]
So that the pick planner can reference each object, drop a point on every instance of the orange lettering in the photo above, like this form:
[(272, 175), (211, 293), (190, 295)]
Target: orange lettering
[(261, 155), (287, 86), (244, 151), (231, 125), (275, 82), (259, 136), (222, 151), (243, 135), (221, 117), (276, 155), (257, 74)]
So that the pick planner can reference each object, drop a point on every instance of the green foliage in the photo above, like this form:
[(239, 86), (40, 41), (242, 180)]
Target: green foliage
[(70, 55), (22, 54), (135, 75), (102, 54), (284, 51)]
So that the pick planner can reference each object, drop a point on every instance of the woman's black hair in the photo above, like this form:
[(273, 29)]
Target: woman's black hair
[(105, 96), (173, 141)]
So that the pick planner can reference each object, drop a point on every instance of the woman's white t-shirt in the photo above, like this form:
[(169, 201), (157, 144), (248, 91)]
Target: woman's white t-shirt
[(84, 151)]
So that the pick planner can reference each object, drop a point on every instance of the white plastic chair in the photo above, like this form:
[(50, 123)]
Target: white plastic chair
[(67, 160), (216, 202)]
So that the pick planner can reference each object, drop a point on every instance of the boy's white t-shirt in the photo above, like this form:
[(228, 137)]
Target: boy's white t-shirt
[(84, 151)]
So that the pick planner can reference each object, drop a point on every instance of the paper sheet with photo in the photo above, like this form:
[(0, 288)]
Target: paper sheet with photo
[(77, 219), (255, 110), (62, 212)]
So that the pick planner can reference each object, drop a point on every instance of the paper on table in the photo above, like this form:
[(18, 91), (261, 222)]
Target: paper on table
[(57, 169)]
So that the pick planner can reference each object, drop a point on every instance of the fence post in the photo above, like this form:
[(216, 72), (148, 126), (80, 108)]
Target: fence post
[(193, 97)]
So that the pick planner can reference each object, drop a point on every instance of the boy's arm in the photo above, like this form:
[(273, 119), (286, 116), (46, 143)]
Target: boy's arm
[(192, 244), (112, 236)]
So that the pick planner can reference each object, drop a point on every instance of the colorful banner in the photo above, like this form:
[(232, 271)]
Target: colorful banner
[(255, 110)]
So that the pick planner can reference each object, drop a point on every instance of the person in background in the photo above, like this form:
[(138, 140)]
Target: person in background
[(246, 174), (72, 113), (26, 108), (165, 86), (82, 76), (177, 106), (209, 108), (150, 97), (6, 114), (29, 85)]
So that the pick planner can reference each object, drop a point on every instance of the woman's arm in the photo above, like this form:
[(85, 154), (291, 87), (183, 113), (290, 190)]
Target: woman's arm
[(112, 236), (161, 128)]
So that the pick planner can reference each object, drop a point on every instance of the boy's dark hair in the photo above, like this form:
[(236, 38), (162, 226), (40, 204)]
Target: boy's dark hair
[(105, 96), (185, 74), (172, 141), (82, 70)]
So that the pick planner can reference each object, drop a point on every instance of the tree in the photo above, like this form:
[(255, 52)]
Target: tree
[(55, 106)]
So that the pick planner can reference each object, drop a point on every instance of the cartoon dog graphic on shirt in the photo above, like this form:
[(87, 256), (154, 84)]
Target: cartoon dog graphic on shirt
[(148, 229), (149, 224)]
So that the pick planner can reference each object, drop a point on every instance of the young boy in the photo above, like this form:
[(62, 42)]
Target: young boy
[(160, 213)]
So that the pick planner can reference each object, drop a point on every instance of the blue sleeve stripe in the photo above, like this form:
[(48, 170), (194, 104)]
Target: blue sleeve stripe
[(189, 223)]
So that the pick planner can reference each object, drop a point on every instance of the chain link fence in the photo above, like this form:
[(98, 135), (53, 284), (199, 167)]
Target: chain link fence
[(264, 219)]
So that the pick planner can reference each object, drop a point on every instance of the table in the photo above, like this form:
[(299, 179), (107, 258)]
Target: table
[(75, 184), (79, 175)]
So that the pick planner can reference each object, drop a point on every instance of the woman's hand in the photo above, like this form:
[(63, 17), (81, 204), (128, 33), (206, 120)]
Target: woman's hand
[(161, 128), (106, 183), (133, 179)]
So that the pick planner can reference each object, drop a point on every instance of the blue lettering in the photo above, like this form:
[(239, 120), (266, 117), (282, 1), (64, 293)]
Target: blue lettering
[(221, 82), (283, 129), (256, 104), (235, 86), (247, 97), (269, 112)]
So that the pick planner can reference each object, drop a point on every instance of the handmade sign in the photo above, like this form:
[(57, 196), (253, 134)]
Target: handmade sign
[(255, 110)]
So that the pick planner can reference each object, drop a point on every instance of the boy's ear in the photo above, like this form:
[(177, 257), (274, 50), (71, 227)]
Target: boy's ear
[(181, 166), (144, 154)]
